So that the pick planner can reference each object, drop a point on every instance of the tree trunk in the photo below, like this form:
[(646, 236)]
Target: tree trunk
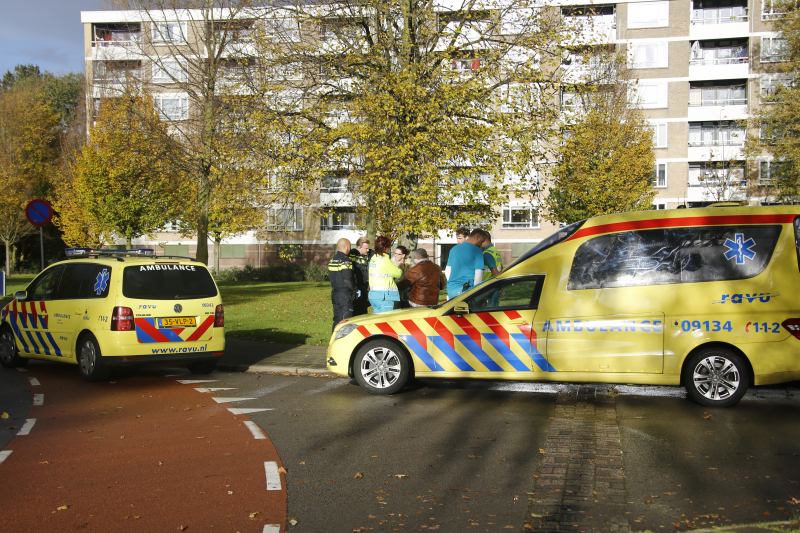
[(8, 259), (217, 241), (202, 223), (372, 228), (410, 240), (128, 243)]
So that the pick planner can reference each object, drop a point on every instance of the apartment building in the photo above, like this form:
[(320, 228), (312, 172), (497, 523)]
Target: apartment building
[(702, 66)]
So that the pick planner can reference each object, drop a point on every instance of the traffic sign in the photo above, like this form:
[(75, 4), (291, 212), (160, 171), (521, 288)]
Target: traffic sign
[(39, 212)]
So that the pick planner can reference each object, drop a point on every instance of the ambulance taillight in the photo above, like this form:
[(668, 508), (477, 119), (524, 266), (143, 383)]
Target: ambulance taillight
[(122, 319), (219, 317)]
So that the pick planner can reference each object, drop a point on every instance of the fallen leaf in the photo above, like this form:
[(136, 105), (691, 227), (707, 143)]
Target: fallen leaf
[(230, 492), (648, 501), (63, 507), (400, 475), (44, 462), (281, 470), (318, 449), (793, 501), (183, 528), (253, 515), (453, 488), (707, 417), (4, 415), (766, 513), (293, 522), (541, 451), (476, 457)]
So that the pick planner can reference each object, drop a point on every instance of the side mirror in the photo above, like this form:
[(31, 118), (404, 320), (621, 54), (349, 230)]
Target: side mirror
[(461, 308), (20, 295)]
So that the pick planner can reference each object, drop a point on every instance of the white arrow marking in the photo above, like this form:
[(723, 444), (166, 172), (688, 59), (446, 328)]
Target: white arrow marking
[(4, 455), (255, 430), (34, 381), (193, 381), (273, 477), (27, 426), (38, 399), (246, 411), (231, 400), (202, 389)]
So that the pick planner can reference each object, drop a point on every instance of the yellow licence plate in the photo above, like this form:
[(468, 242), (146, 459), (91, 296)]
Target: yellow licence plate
[(178, 322)]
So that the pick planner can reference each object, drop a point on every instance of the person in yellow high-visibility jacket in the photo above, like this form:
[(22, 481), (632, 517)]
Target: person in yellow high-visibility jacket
[(383, 291)]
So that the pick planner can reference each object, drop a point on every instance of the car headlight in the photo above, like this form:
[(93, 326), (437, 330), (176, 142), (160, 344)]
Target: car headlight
[(345, 330)]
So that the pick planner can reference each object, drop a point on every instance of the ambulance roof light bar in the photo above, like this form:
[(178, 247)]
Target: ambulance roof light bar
[(87, 252)]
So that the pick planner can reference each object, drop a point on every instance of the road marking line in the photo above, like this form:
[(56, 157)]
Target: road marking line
[(193, 381), (38, 399), (22, 369), (4, 455), (203, 389), (271, 528), (273, 477), (246, 411), (230, 400), (255, 430), (34, 381), (27, 426)]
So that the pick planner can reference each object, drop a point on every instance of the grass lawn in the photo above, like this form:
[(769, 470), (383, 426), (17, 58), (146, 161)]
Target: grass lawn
[(290, 313)]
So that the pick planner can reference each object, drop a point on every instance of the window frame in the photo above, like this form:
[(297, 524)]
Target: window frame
[(657, 176), (183, 101), (297, 222), (662, 55), (657, 126), (160, 37), (162, 74), (642, 9), (533, 223)]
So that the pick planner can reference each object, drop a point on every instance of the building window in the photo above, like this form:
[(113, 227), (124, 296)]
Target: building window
[(178, 250), (341, 220), (720, 52), (771, 10), (520, 217), (283, 30), (713, 174), (771, 82), (658, 206), (767, 171), (648, 15), (653, 95), (773, 49), (115, 34), (722, 133), (719, 11), (285, 220), (169, 72), (659, 134), (660, 175), (169, 33), (334, 183), (231, 251), (173, 108), (648, 55)]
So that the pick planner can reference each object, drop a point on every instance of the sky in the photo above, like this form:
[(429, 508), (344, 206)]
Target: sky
[(47, 33)]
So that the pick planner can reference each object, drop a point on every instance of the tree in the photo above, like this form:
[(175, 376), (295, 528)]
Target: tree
[(27, 151), (197, 48), (606, 160), (424, 111), (778, 122), (125, 178)]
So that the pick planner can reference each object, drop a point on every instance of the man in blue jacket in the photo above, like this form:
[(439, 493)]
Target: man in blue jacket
[(465, 264)]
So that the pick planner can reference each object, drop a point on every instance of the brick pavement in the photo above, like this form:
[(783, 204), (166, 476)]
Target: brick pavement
[(581, 481)]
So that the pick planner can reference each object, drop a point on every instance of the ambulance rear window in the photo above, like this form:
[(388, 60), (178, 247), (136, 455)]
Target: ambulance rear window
[(167, 282), (673, 255)]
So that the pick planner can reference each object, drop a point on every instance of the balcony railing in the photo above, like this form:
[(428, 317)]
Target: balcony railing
[(712, 143), (720, 61), (722, 102), (127, 39), (708, 17)]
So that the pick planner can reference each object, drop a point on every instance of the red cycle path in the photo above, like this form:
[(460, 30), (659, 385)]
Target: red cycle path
[(140, 454)]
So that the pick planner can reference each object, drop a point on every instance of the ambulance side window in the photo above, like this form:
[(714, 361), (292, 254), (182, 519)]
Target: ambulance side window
[(507, 294), (44, 287), (673, 255), (75, 281)]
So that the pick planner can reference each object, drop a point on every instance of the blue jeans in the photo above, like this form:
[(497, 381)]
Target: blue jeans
[(381, 306)]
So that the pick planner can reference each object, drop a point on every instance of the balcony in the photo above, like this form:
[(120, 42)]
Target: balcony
[(719, 59), (718, 100), (718, 22), (596, 23)]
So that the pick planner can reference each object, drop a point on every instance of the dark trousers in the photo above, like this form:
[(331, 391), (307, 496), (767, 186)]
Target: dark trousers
[(361, 304), (342, 306)]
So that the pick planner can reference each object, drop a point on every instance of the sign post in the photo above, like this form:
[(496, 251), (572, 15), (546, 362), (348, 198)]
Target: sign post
[(39, 213)]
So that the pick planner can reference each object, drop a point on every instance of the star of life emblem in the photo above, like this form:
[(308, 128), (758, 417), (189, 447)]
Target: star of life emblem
[(740, 249), (101, 282)]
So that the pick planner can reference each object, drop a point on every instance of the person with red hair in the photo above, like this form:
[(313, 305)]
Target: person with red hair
[(383, 291)]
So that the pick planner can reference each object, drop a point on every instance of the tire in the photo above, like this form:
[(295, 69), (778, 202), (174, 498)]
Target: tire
[(92, 366), (716, 377), (202, 367), (9, 354), (381, 367)]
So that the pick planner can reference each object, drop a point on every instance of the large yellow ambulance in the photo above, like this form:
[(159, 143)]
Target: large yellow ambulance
[(698, 297), (105, 308)]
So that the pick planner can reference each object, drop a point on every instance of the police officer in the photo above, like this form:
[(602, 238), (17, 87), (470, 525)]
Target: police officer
[(360, 256), (343, 287)]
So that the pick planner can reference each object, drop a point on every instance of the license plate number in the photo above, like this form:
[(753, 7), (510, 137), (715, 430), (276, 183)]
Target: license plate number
[(177, 322)]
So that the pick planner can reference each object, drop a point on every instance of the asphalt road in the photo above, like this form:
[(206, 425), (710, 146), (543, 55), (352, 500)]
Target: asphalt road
[(468, 455)]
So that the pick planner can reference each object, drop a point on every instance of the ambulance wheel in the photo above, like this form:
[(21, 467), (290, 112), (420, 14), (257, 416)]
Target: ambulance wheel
[(90, 361), (716, 377), (202, 367), (381, 367), (9, 354)]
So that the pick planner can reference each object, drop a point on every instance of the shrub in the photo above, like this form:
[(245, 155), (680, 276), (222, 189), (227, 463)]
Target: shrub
[(277, 273)]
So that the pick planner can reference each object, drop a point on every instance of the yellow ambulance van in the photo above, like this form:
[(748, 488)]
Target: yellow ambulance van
[(694, 297), (107, 308)]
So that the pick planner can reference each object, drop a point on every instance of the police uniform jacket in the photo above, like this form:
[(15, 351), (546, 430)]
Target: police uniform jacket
[(340, 270)]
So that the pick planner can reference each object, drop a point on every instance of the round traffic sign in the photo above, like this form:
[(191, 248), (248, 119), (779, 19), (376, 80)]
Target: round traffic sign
[(39, 212)]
